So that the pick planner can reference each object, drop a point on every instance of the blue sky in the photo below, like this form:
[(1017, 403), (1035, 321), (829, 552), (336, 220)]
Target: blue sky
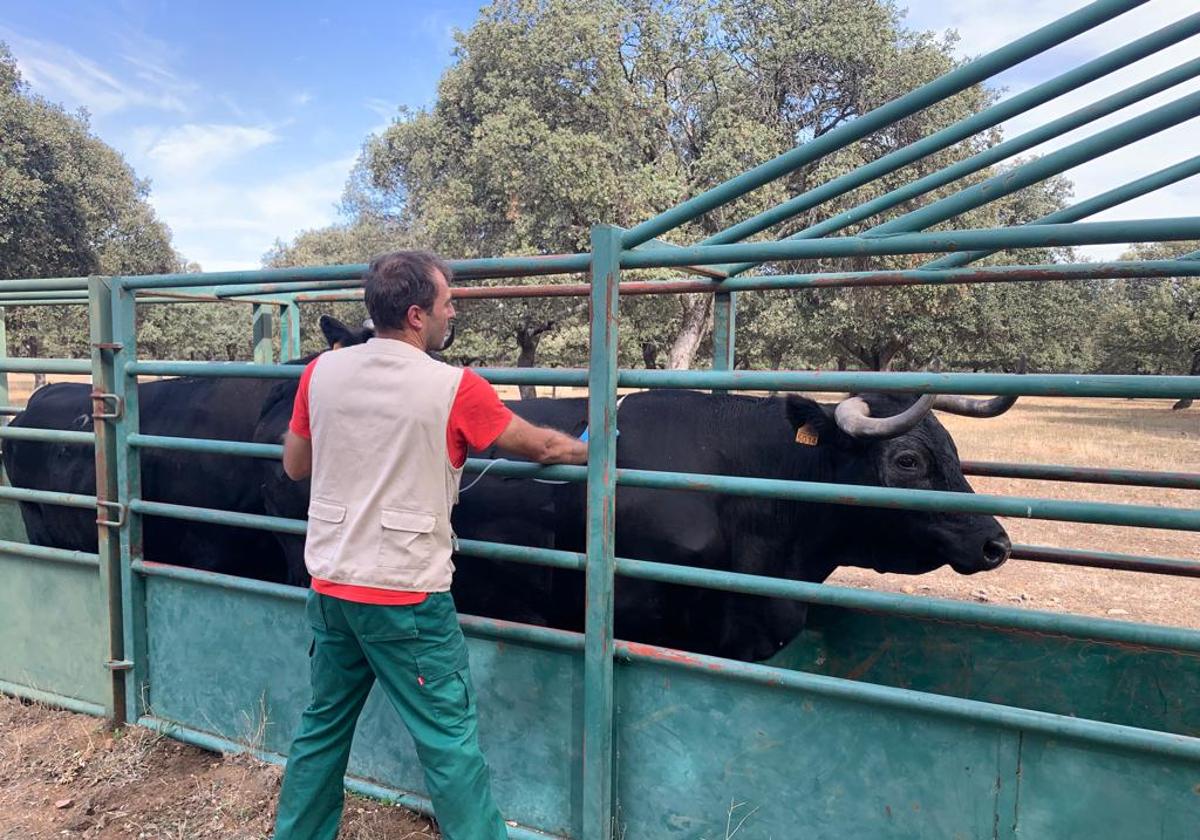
[(247, 116)]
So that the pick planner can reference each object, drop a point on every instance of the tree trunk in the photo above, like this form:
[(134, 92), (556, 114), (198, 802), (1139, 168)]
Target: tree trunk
[(528, 337), (697, 309), (1195, 371), (650, 355)]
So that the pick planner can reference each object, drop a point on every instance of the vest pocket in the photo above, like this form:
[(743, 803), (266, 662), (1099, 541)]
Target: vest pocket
[(407, 539), (324, 534)]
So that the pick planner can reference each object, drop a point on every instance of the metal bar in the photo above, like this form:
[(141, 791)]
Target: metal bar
[(928, 94), (601, 538), (11, 409), (243, 370), (724, 334), (411, 801), (52, 699), (45, 552), (213, 447), (275, 280), (68, 296), (263, 327), (3, 355), (1083, 209), (1086, 475), (289, 344), (1025, 236), (105, 378), (48, 497), (1075, 78), (1054, 163), (1107, 560), (1002, 151), (915, 277), (1102, 513), (45, 284), (1042, 385), (148, 568), (971, 712), (127, 468), (218, 517), (47, 435), (17, 364), (937, 609)]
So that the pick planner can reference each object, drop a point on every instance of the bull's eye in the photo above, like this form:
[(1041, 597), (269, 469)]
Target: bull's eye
[(909, 461)]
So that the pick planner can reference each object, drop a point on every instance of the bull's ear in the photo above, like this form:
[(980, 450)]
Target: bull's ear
[(336, 333), (813, 423)]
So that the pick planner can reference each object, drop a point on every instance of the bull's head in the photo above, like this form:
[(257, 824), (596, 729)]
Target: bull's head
[(896, 441)]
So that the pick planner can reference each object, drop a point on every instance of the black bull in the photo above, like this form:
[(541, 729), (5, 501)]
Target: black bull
[(677, 431)]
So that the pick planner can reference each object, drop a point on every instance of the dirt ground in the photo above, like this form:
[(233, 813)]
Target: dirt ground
[(68, 775)]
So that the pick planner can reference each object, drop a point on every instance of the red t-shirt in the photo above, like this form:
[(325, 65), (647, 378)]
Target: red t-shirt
[(477, 418)]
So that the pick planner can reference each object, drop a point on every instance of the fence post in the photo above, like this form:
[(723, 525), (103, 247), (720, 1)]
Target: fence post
[(601, 538), (724, 331), (264, 334), (289, 341), (129, 487), (3, 355)]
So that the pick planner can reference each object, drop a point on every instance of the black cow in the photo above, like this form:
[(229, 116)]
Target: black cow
[(215, 408), (782, 438)]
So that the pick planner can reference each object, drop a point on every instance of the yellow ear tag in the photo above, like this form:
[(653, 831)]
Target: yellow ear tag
[(806, 436)]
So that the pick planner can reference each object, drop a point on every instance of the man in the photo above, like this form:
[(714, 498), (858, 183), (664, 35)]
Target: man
[(384, 431)]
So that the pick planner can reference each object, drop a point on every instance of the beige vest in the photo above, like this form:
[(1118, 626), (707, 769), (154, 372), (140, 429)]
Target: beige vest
[(382, 482)]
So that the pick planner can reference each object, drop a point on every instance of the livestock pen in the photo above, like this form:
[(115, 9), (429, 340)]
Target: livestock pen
[(889, 716)]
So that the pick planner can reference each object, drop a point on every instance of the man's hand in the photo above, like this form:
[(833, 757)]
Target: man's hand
[(297, 457), (546, 446)]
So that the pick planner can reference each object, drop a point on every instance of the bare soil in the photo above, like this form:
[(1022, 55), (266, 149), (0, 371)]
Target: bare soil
[(69, 775)]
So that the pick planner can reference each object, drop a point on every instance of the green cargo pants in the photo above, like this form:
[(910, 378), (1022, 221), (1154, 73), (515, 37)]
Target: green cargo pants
[(419, 656)]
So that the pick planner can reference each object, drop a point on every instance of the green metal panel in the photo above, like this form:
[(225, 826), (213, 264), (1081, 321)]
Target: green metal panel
[(51, 638), (263, 327), (601, 537), (1118, 683), (234, 663), (724, 330)]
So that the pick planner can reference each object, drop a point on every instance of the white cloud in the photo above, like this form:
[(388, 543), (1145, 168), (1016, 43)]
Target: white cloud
[(60, 73), (195, 147), (985, 25), (228, 224), (302, 98)]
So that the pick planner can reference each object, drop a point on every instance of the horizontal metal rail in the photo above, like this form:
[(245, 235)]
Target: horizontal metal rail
[(1107, 560), (47, 435), (44, 552), (950, 241), (52, 699), (1048, 272), (1086, 475), (270, 280), (928, 94), (206, 446), (49, 497), (11, 409), (17, 364), (242, 370), (46, 284), (212, 516)]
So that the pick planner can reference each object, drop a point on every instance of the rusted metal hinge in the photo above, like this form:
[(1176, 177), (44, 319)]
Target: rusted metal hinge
[(104, 507), (119, 665), (99, 398)]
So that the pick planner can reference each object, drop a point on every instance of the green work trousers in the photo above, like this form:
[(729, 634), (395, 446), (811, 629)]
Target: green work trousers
[(419, 656)]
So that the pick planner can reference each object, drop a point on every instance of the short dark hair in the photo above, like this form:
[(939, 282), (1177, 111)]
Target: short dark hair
[(399, 280)]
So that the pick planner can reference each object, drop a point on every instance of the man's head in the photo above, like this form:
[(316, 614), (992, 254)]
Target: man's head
[(407, 294)]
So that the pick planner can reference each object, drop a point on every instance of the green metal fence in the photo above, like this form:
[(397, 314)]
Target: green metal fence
[(891, 716)]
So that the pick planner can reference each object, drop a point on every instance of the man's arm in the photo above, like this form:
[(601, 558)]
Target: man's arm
[(546, 446), (297, 456)]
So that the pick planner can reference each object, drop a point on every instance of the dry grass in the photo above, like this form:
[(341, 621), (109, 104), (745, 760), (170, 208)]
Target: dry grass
[(65, 774)]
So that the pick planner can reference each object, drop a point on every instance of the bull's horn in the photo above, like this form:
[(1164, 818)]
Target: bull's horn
[(978, 408), (853, 417)]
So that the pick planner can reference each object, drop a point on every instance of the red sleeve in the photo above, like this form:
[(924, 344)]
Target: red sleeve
[(299, 425), (476, 419)]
